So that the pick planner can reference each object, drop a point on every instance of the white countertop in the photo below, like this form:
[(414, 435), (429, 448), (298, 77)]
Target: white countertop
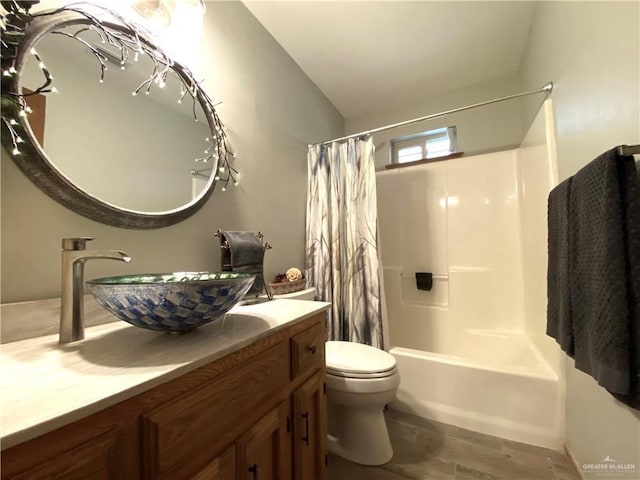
[(45, 385)]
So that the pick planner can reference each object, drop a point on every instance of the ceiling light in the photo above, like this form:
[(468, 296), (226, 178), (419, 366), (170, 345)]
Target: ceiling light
[(154, 10)]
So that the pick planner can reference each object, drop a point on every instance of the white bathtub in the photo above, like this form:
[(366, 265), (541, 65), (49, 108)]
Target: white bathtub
[(491, 382)]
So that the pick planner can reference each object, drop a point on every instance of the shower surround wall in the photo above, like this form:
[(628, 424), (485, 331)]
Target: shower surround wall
[(472, 351)]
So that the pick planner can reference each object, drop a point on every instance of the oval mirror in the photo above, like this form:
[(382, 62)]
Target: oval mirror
[(105, 123)]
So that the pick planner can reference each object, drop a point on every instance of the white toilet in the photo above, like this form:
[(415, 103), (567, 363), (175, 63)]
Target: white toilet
[(361, 380)]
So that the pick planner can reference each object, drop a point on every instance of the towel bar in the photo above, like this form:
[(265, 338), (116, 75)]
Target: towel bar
[(225, 259), (435, 276), (629, 150)]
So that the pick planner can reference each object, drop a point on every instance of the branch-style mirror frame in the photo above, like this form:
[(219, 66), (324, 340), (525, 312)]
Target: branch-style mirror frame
[(21, 32)]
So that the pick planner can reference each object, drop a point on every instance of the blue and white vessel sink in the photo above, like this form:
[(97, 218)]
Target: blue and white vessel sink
[(171, 302)]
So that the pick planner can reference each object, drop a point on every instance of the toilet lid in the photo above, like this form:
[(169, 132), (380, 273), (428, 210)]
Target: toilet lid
[(356, 358)]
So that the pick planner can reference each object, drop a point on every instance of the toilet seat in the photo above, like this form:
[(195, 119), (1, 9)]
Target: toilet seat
[(355, 360), (369, 385), (365, 375)]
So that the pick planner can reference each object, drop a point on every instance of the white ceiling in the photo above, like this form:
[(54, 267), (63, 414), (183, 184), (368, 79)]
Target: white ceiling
[(368, 56)]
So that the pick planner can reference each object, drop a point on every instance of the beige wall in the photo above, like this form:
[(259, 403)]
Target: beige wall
[(271, 109), (591, 51), (487, 129)]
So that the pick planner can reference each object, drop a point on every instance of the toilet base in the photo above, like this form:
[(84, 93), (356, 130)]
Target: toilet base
[(359, 435)]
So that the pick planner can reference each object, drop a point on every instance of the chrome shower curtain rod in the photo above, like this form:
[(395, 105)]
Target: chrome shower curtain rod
[(546, 89)]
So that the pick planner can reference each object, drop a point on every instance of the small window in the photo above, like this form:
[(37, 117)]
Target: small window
[(432, 144)]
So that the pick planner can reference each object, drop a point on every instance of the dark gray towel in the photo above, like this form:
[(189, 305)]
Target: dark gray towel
[(559, 319), (245, 255), (628, 172), (603, 269)]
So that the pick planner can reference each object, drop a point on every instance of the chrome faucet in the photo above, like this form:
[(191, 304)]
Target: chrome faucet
[(74, 257)]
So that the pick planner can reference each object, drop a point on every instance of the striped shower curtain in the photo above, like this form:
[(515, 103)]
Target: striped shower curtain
[(342, 247)]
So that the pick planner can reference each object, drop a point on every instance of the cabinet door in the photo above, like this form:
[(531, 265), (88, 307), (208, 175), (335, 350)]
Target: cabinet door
[(102, 446), (264, 452), (94, 459), (310, 429), (222, 468)]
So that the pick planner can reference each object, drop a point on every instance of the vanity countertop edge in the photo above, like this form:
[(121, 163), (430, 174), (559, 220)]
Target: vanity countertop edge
[(45, 385)]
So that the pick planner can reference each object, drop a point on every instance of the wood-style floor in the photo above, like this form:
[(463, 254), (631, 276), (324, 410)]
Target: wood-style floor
[(424, 449)]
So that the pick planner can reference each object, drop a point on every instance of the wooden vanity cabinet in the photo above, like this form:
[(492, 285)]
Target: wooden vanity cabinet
[(256, 414)]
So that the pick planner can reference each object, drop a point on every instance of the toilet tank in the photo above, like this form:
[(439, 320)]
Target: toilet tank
[(306, 294)]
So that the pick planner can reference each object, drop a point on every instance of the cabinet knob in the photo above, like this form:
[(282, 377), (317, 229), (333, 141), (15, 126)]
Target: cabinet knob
[(313, 349), (254, 470)]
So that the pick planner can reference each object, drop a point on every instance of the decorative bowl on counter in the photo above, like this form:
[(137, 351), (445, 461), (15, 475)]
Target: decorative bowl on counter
[(281, 288), (171, 302)]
